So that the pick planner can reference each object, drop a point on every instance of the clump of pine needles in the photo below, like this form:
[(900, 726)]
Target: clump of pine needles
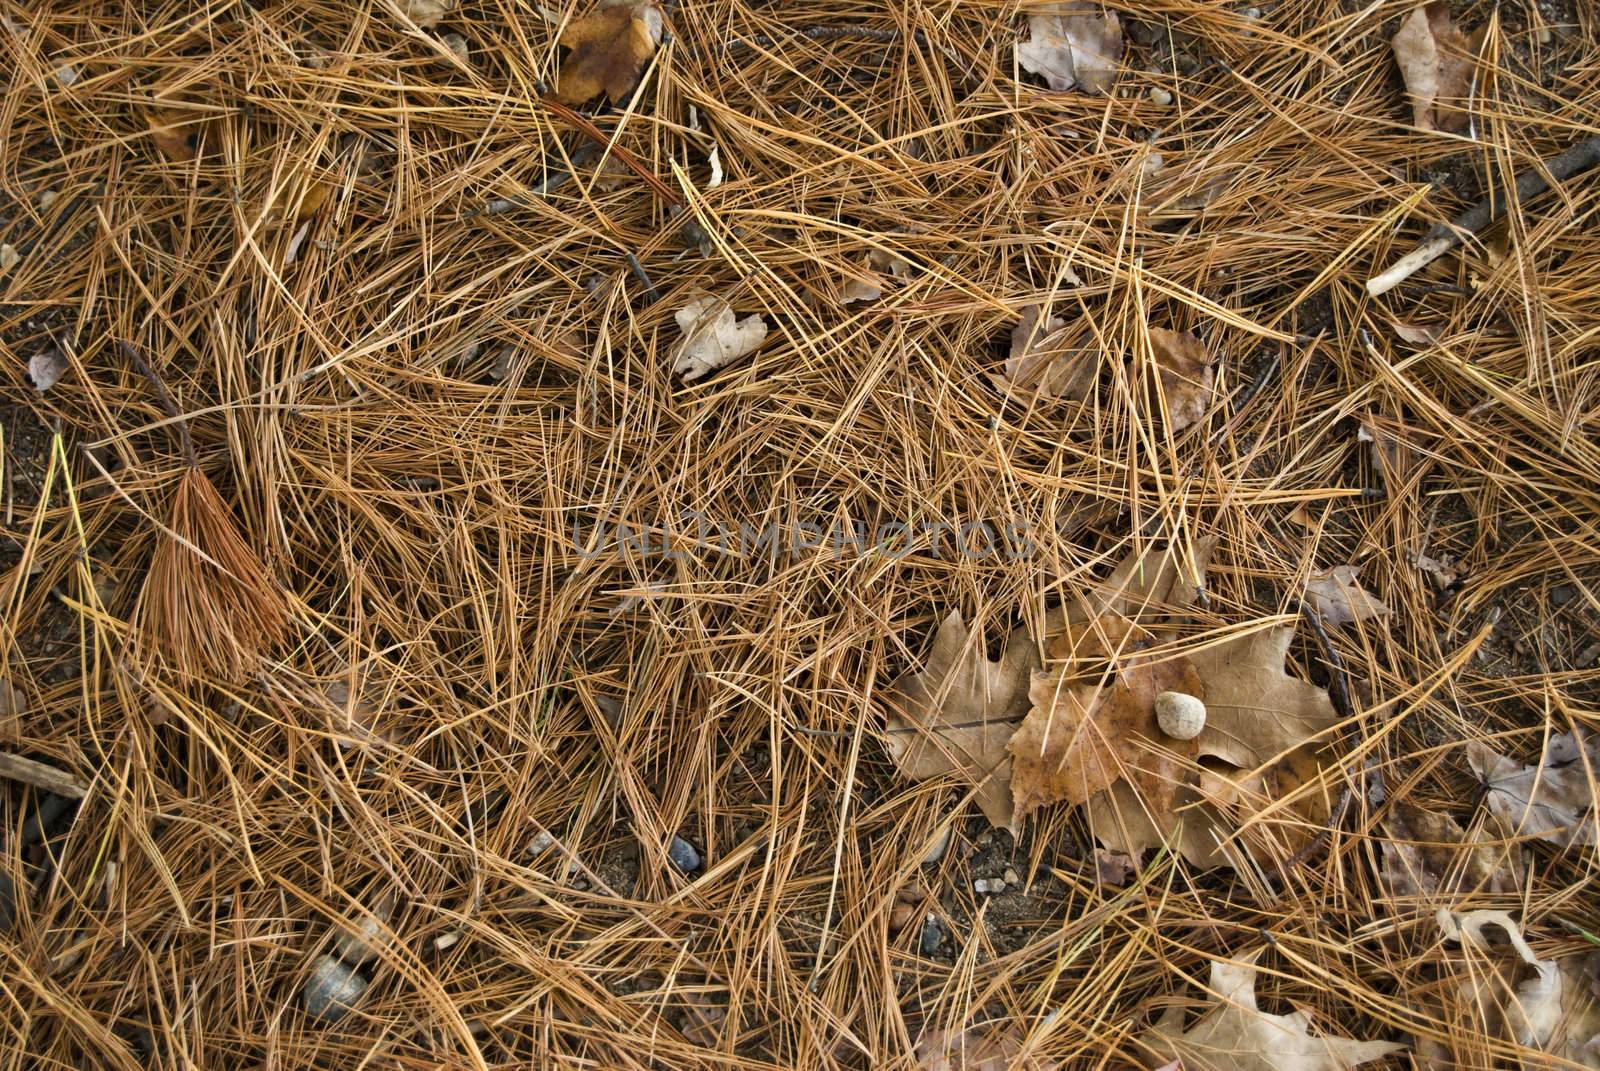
[(422, 330)]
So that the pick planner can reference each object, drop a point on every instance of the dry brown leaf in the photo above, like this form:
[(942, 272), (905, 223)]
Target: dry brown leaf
[(1072, 45), (1340, 599), (1081, 738), (1392, 455), (1248, 807), (1416, 334), (1185, 375), (1436, 60), (975, 1050), (1236, 1035), (713, 336), (957, 713), (1555, 800), (1043, 361), (609, 49), (1426, 852), (1254, 710), (178, 133), (426, 13)]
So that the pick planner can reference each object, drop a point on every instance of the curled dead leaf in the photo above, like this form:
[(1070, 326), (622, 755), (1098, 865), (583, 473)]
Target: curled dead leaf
[(1436, 61), (1234, 1034), (1427, 852), (1183, 370)]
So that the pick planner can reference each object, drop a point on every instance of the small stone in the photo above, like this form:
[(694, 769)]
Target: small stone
[(458, 45), (988, 886), (9, 257), (66, 74), (332, 989), (900, 916), (683, 855), (448, 939), (1181, 716), (1562, 594), (932, 935), (1012, 878), (1160, 96), (541, 843), (1252, 12), (47, 198), (940, 845), (361, 940)]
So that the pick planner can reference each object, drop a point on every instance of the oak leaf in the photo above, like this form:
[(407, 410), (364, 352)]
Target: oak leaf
[(956, 714), (1436, 61), (1071, 45), (1555, 800), (1341, 600), (1183, 371), (1236, 1035), (609, 49), (713, 336), (1254, 710), (1081, 738)]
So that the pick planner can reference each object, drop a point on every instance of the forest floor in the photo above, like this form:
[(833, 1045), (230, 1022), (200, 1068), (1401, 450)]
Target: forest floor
[(677, 538)]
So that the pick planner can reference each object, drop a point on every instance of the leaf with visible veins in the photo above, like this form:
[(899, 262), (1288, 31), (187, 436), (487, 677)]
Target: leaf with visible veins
[(609, 49)]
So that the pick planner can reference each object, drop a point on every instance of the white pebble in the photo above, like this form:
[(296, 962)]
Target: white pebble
[(362, 939), (540, 843), (1181, 716), (988, 886), (66, 74), (1160, 96), (9, 257), (47, 198)]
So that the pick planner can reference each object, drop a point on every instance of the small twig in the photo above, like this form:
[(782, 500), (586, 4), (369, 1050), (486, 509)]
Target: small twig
[(167, 404), (1446, 236), (37, 774)]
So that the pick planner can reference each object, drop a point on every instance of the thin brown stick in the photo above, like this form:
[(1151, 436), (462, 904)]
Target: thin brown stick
[(39, 775)]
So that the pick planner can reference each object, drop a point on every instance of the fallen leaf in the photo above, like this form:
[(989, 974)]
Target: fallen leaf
[(46, 368), (1427, 853), (1555, 800), (1071, 45), (1043, 361), (957, 713), (1467, 928), (426, 13), (713, 336), (974, 1050), (1081, 738), (1247, 808), (1236, 1035), (1254, 710), (1340, 599), (1441, 573), (1436, 61), (1557, 1011), (177, 133), (1184, 374), (609, 49), (1394, 458), (1113, 868), (1416, 334)]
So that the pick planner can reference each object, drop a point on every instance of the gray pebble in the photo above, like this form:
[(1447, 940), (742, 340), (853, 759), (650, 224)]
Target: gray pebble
[(683, 855), (1562, 594), (940, 845), (332, 989), (932, 936), (540, 843), (987, 886), (1160, 96), (1012, 878)]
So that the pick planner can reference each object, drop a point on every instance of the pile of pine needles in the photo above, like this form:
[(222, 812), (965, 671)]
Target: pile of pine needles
[(333, 621)]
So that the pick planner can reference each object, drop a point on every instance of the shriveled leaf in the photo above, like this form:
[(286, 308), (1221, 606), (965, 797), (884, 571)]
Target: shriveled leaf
[(177, 133), (1236, 1035), (1044, 361), (1555, 800), (1416, 334), (46, 368), (1338, 596), (1185, 375), (957, 713), (713, 336), (1392, 454), (1427, 853), (975, 1050), (609, 49), (1080, 738), (1263, 812), (1436, 60), (1557, 1010), (1073, 46)]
